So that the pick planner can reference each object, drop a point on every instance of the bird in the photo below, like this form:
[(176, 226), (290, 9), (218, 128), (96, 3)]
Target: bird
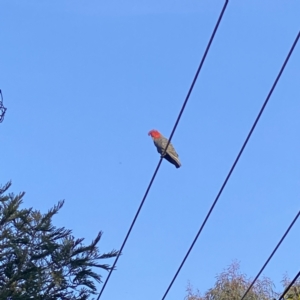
[(161, 142)]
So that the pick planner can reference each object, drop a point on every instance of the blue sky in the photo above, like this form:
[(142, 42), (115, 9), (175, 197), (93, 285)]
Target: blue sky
[(84, 82)]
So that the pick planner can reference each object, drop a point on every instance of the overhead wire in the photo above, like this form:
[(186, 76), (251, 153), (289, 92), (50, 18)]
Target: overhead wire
[(172, 133), (289, 286), (233, 166), (273, 252)]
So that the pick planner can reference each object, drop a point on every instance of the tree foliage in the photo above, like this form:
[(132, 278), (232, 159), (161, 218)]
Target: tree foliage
[(41, 261), (231, 284), (294, 292)]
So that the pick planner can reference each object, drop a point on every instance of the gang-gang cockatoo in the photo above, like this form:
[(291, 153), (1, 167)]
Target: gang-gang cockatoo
[(161, 142)]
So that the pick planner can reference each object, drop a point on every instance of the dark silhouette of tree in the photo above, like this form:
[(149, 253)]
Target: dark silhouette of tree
[(231, 284), (41, 261), (2, 108)]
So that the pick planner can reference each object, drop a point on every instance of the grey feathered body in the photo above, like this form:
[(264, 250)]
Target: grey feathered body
[(171, 155)]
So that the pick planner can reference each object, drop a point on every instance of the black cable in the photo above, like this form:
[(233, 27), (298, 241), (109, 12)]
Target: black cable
[(175, 126), (198, 71), (287, 231), (233, 166), (289, 286), (2, 108)]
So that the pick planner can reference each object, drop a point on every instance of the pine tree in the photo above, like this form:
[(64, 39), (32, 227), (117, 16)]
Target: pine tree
[(41, 261)]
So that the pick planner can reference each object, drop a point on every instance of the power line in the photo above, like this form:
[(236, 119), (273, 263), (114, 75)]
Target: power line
[(198, 71), (172, 133), (233, 166), (281, 240), (289, 286), (2, 108)]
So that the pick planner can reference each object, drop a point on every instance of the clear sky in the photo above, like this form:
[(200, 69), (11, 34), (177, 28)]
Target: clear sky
[(84, 82)]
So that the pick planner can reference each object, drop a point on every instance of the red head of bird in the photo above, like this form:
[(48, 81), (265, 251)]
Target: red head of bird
[(154, 134)]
